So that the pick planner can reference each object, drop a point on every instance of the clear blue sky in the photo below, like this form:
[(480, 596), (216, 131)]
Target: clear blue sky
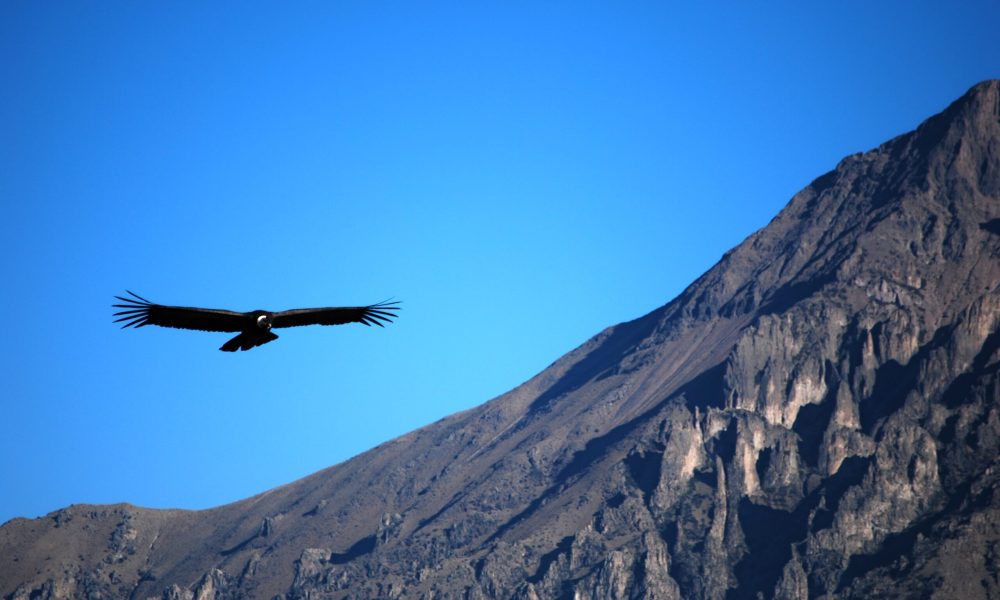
[(520, 174)]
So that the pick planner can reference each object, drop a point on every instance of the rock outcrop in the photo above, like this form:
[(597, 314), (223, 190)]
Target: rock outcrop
[(816, 416)]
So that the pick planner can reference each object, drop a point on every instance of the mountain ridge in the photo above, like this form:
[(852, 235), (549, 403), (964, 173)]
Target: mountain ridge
[(791, 424)]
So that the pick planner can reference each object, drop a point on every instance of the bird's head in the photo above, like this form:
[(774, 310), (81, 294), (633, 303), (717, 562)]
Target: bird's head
[(264, 321)]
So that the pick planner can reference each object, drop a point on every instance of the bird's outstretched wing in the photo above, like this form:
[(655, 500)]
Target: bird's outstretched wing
[(376, 314), (140, 312)]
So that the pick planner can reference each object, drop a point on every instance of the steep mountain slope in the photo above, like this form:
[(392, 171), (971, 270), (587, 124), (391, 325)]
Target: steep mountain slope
[(819, 414)]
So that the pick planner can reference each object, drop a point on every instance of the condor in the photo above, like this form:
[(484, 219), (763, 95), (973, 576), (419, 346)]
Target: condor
[(254, 327)]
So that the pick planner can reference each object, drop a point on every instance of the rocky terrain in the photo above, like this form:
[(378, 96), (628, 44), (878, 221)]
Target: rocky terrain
[(816, 416)]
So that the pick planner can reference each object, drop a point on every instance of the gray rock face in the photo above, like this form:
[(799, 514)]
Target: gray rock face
[(816, 416)]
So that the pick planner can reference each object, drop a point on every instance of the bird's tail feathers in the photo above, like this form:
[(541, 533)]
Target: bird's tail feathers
[(247, 340)]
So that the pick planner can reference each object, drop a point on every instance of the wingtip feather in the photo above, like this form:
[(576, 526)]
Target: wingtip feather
[(138, 296)]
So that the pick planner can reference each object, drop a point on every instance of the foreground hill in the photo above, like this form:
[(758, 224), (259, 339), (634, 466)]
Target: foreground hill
[(819, 414)]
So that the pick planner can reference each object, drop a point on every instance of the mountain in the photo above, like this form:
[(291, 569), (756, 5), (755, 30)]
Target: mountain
[(817, 415)]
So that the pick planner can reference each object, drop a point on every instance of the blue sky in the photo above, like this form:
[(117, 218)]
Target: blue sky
[(520, 174)]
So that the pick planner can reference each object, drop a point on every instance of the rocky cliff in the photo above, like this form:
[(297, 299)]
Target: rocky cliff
[(816, 416)]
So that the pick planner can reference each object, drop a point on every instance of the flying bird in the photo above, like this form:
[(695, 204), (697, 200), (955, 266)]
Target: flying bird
[(254, 327)]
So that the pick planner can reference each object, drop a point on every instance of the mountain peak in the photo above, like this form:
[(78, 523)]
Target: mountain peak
[(951, 162), (815, 415), (980, 104)]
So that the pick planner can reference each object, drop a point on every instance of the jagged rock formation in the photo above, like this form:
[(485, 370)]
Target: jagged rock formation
[(816, 416)]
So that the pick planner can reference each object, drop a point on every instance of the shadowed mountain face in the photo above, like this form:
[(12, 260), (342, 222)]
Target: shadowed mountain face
[(819, 414)]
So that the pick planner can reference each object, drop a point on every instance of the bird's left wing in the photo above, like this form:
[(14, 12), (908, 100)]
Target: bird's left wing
[(139, 312), (375, 314)]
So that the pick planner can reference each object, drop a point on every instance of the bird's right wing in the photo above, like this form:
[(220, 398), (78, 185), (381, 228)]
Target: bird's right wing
[(140, 312), (374, 314)]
